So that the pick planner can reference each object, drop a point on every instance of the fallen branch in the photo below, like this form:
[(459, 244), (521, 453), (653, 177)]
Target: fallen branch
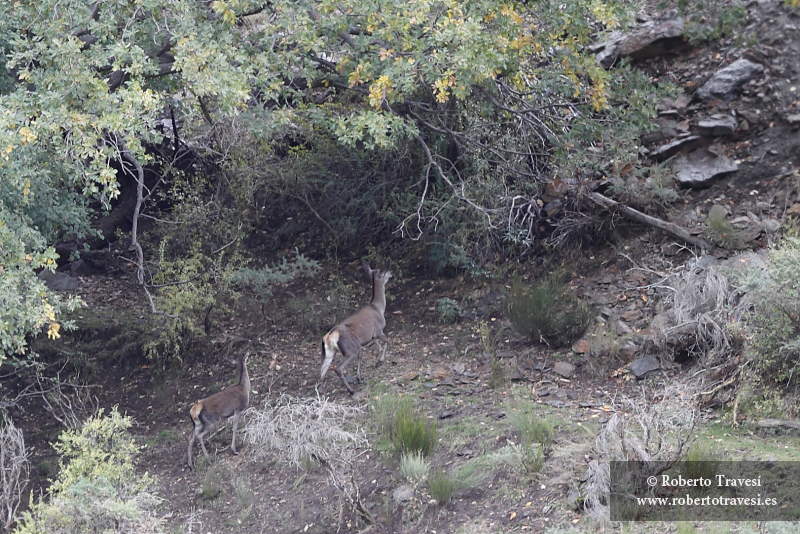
[(772, 423), (671, 228)]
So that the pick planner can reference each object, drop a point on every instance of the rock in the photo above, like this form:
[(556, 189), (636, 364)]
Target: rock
[(794, 120), (554, 190), (58, 281), (701, 167), (751, 116), (552, 208), (670, 149), (556, 403), (717, 125), (631, 315), (623, 328), (581, 346), (724, 82), (651, 39), (403, 494), (642, 366), (446, 415), (794, 209), (574, 500), (703, 262), (564, 369), (717, 213), (80, 268), (771, 225), (671, 249), (458, 368), (440, 373), (667, 129), (411, 375)]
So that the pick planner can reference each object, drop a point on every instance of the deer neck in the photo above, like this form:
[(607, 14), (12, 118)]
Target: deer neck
[(244, 377), (378, 294)]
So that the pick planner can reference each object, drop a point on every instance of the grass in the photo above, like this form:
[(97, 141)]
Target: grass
[(414, 467), (213, 482), (442, 485), (403, 431), (531, 427)]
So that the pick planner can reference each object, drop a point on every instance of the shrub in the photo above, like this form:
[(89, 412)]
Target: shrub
[(770, 317), (448, 310), (98, 489), (261, 281), (414, 467), (531, 428), (14, 468), (413, 433), (441, 487), (548, 312)]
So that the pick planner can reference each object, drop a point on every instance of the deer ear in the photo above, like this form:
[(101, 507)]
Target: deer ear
[(366, 267), (385, 268)]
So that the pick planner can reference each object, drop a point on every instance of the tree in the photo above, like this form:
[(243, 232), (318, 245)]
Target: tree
[(483, 91)]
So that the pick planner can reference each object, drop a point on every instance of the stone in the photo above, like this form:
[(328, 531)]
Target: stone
[(623, 328), (58, 281), (581, 346), (794, 120), (717, 125), (794, 209), (411, 375), (651, 39), (552, 208), (440, 373), (403, 494), (564, 369), (725, 81), (458, 368), (700, 168), (644, 365), (80, 268), (667, 129), (670, 149), (771, 225)]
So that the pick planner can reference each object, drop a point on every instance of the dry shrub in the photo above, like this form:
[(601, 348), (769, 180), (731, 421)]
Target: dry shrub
[(696, 312), (14, 469), (298, 429), (656, 433)]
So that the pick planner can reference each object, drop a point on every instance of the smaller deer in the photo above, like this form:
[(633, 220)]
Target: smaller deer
[(232, 401), (361, 328)]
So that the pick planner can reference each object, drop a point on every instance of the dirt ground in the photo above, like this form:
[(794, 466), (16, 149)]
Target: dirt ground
[(446, 368)]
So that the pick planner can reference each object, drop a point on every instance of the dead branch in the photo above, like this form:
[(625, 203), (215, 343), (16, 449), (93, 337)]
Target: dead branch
[(671, 228)]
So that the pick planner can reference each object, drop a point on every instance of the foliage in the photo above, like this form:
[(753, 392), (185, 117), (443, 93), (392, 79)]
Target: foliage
[(771, 322), (414, 467), (548, 311), (97, 489), (453, 108), (644, 188), (412, 433), (531, 427), (28, 306), (261, 281), (448, 310), (14, 469), (722, 232), (442, 485)]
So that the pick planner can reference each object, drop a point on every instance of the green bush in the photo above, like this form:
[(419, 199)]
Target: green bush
[(531, 428), (448, 310), (771, 326), (548, 311), (414, 467), (98, 488), (413, 433), (442, 485)]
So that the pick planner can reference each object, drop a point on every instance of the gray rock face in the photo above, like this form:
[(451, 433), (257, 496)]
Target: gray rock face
[(717, 125), (651, 39), (642, 366), (700, 168), (670, 149), (59, 281), (725, 81), (564, 369), (403, 494)]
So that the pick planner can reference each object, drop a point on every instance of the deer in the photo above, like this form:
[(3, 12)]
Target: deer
[(360, 329), (209, 412)]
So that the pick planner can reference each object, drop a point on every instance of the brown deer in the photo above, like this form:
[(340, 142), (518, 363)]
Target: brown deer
[(232, 401), (360, 329)]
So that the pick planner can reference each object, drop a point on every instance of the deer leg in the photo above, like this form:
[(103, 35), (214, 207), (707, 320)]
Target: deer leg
[(343, 378), (235, 428), (385, 340), (191, 443)]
